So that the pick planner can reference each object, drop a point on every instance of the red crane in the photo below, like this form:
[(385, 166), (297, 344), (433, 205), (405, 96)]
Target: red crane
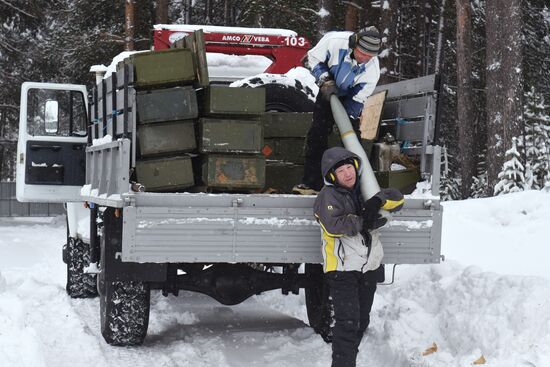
[(284, 47)]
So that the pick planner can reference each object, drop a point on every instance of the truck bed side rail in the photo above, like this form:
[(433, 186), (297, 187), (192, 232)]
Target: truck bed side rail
[(174, 228), (410, 114), (107, 173)]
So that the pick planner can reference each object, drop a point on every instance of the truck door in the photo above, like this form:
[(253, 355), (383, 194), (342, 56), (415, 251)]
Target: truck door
[(51, 159)]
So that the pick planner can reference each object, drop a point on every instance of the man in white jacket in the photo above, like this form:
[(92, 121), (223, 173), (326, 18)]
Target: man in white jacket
[(345, 64)]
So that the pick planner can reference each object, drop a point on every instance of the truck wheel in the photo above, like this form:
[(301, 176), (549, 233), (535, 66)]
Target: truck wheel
[(79, 284), (318, 305), (124, 308), (283, 94)]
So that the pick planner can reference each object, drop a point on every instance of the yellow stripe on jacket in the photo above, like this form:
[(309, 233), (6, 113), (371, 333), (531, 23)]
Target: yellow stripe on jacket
[(329, 241), (331, 261)]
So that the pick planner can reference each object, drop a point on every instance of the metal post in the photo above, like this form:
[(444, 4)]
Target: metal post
[(104, 107), (114, 108), (94, 243), (125, 86)]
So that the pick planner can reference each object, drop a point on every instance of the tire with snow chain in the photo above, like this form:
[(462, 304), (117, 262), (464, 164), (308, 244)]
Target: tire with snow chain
[(283, 94), (124, 310), (79, 284), (318, 305)]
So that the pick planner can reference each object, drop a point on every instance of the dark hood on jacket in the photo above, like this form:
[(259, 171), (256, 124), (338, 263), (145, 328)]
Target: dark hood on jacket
[(332, 157)]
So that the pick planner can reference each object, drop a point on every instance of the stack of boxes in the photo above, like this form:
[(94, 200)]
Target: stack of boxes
[(231, 138), (284, 136), (187, 140), (166, 118), (166, 131)]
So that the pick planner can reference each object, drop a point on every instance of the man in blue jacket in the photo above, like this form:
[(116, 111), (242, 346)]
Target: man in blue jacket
[(345, 64), (351, 248)]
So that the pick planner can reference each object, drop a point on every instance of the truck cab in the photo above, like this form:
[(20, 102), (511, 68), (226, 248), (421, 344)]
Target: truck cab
[(230, 244)]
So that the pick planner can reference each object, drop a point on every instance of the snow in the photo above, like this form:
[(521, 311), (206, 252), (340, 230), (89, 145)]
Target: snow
[(233, 67), (106, 139), (323, 13), (303, 75), (221, 29), (490, 298), (113, 66), (423, 190)]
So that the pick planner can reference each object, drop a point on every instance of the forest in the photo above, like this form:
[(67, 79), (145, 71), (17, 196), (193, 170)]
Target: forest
[(493, 57)]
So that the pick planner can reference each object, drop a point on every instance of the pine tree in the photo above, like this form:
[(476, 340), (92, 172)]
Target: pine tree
[(479, 182), (537, 139), (449, 188), (465, 100), (512, 176), (504, 82)]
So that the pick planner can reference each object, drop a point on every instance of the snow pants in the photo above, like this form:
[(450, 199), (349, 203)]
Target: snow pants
[(352, 295), (317, 142)]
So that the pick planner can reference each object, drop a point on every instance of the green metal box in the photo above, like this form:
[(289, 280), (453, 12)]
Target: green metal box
[(286, 124), (290, 150), (174, 66), (165, 174), (169, 104), (233, 101), (226, 136), (405, 180), (282, 177), (195, 42), (234, 172), (166, 137)]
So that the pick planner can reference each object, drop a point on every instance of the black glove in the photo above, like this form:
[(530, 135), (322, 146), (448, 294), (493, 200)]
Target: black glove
[(392, 199), (328, 88), (369, 212), (375, 223), (370, 208)]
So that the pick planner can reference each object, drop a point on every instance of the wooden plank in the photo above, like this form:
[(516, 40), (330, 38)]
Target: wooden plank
[(370, 117)]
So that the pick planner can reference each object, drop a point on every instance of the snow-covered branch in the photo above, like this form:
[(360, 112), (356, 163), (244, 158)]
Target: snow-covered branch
[(18, 9), (9, 106)]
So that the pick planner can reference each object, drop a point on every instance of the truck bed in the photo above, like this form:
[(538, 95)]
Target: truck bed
[(237, 228)]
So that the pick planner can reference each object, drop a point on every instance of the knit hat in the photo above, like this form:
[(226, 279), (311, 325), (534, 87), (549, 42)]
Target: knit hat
[(368, 40), (342, 163)]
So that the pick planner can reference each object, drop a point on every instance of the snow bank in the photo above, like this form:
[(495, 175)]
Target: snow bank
[(471, 305), (507, 234), (2, 283), (466, 313), (16, 336)]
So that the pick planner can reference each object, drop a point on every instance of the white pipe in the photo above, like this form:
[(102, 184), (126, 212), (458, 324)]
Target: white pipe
[(367, 180)]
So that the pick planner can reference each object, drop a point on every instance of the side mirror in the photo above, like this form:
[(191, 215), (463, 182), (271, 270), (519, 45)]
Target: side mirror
[(51, 116)]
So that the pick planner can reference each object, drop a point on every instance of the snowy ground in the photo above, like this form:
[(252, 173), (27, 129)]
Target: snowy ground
[(490, 298)]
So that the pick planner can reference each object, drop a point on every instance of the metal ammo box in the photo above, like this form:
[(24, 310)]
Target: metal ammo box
[(234, 171), (230, 136), (169, 104), (173, 66), (165, 174), (284, 138), (282, 176), (166, 137), (289, 150), (286, 124), (233, 101), (404, 180)]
